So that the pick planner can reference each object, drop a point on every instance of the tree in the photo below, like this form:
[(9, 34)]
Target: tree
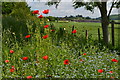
[(79, 15), (15, 15), (102, 6), (7, 7), (71, 16), (65, 17), (51, 18), (88, 17), (19, 10)]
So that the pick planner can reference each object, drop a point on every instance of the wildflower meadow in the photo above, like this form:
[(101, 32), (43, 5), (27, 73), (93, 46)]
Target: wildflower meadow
[(49, 50)]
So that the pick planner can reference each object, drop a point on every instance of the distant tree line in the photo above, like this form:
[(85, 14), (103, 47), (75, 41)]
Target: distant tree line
[(78, 16)]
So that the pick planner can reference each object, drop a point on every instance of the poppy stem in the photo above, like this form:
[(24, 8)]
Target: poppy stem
[(73, 28)]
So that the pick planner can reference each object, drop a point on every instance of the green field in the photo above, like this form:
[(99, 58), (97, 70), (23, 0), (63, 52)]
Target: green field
[(92, 28)]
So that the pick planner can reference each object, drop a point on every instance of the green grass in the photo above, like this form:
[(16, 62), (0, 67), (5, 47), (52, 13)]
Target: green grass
[(80, 27), (92, 28), (64, 46)]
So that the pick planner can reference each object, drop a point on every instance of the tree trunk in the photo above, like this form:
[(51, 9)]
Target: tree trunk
[(104, 22), (105, 32)]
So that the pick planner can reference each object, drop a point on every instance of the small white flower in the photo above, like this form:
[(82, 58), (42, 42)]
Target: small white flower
[(64, 28), (13, 33)]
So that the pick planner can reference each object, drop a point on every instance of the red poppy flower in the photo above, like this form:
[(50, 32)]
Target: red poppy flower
[(44, 37), (11, 70), (6, 61), (114, 60), (11, 51), (46, 26), (28, 36), (81, 60), (46, 11), (35, 12), (110, 71), (45, 57), (41, 16), (52, 30), (112, 77), (13, 67), (25, 58), (74, 31), (84, 54), (100, 70), (66, 61), (28, 77)]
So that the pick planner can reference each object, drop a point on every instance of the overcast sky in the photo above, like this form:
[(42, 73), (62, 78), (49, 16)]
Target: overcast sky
[(66, 9)]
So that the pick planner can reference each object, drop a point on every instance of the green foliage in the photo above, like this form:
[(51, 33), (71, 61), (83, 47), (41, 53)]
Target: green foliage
[(88, 5), (88, 18), (50, 3), (115, 17), (112, 17), (21, 11), (17, 29), (16, 16), (7, 7), (117, 4)]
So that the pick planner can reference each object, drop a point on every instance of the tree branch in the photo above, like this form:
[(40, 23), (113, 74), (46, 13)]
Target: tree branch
[(98, 4), (111, 8)]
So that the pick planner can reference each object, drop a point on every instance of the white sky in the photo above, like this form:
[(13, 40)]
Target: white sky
[(65, 8)]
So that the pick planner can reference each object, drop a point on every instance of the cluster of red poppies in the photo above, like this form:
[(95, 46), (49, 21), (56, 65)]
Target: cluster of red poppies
[(101, 70), (46, 26), (44, 11), (12, 69), (41, 16), (65, 62)]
